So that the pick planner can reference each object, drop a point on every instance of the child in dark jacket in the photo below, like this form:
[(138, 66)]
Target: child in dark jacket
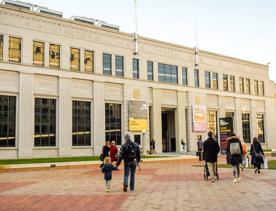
[(107, 169)]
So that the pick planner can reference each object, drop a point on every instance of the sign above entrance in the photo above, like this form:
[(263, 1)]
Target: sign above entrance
[(137, 125), (199, 119)]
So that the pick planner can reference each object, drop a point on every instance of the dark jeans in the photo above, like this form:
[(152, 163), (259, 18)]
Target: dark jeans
[(130, 167), (258, 165), (236, 170)]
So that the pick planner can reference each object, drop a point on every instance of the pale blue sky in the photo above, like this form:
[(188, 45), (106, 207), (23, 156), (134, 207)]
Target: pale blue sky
[(240, 28)]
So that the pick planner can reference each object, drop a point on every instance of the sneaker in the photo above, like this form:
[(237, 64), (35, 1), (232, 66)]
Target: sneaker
[(256, 170), (125, 188), (235, 180), (259, 171), (213, 180), (107, 190), (242, 168), (239, 179)]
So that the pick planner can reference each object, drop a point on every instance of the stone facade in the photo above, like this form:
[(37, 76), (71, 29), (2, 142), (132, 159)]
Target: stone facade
[(27, 81)]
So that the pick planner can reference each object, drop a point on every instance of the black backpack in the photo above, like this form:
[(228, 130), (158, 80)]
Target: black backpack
[(131, 151)]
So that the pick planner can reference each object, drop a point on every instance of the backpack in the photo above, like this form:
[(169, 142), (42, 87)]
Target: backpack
[(131, 151), (235, 148)]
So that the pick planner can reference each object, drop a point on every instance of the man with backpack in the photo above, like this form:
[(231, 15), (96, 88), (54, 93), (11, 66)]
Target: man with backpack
[(234, 151), (130, 153)]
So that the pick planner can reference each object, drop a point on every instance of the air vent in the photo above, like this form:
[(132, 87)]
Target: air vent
[(47, 11), (84, 20), (17, 4)]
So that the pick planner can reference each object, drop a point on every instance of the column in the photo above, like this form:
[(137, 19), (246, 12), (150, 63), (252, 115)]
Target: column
[(81, 60), (238, 118), (180, 121), (113, 64), (157, 119), (64, 115), (27, 56), (6, 48), (143, 69), (26, 116), (179, 75), (98, 58), (99, 117), (46, 54), (65, 57), (155, 71), (253, 119)]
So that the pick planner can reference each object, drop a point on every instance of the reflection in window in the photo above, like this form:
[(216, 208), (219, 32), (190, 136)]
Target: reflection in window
[(241, 84), (38, 53), (45, 122), (107, 64), (1, 46), (89, 61), (167, 73), (232, 83), (135, 68), (185, 76), (196, 78), (75, 59), (119, 65), (260, 128), (225, 82), (215, 80), (150, 70), (207, 79), (256, 87), (113, 123), (261, 88), (246, 127), (7, 121), (212, 122), (81, 123), (54, 56), (247, 86), (14, 49)]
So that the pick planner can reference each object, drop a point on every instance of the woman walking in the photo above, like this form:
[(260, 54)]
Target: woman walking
[(257, 155), (234, 150)]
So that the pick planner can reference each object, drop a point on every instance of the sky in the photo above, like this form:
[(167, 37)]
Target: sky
[(243, 29)]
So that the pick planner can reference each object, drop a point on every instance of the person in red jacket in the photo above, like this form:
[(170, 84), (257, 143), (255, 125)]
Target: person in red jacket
[(113, 152)]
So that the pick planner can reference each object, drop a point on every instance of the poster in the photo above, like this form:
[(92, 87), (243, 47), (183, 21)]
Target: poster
[(199, 119), (225, 127)]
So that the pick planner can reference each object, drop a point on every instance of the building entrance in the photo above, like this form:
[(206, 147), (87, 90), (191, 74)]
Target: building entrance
[(168, 130)]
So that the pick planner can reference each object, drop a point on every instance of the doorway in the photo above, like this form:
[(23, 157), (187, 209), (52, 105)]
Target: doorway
[(168, 130)]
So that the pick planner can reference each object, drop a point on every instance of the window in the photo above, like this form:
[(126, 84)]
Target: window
[(135, 68), (256, 87), (232, 83), (184, 76), (1, 46), (45, 122), (119, 69), (247, 86), (225, 82), (215, 80), (212, 122), (260, 128), (107, 64), (241, 84), (38, 53), (54, 56), (75, 59), (207, 79), (7, 121), (88, 61), (113, 123), (261, 88), (246, 127), (196, 78), (81, 114), (14, 49), (150, 70), (167, 73)]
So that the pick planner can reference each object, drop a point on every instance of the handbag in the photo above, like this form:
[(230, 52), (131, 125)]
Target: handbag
[(257, 155)]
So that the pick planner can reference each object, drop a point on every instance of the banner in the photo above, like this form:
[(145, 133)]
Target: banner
[(137, 125), (225, 127), (199, 119)]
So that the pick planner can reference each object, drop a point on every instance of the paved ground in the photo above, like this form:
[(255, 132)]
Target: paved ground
[(162, 185)]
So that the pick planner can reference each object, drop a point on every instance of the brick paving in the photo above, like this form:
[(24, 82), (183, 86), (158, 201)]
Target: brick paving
[(160, 185)]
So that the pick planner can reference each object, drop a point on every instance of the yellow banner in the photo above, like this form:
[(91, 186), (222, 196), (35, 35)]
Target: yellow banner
[(137, 124)]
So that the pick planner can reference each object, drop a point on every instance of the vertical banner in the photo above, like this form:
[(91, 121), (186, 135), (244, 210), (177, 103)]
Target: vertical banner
[(225, 127), (199, 119)]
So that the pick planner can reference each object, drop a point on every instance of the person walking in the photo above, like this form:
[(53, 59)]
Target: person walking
[(199, 147), (234, 150), (130, 154), (113, 152), (211, 149), (152, 147), (105, 152), (244, 156), (257, 155), (107, 169)]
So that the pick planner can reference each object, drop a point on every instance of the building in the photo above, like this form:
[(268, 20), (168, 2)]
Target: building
[(67, 85)]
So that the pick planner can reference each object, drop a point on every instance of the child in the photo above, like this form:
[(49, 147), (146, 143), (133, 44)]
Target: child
[(107, 170)]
